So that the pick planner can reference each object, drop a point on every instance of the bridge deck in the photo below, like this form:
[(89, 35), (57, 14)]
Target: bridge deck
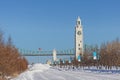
[(45, 54)]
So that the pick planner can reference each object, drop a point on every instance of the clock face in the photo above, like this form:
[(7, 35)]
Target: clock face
[(79, 32)]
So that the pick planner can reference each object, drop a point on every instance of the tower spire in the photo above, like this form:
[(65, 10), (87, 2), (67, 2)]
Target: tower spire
[(78, 21)]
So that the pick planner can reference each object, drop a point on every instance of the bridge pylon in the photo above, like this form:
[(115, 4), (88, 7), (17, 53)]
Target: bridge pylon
[(54, 55)]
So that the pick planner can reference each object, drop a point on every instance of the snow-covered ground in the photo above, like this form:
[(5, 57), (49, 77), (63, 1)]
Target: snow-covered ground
[(45, 72)]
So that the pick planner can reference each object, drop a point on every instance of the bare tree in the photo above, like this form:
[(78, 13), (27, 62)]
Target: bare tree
[(11, 62)]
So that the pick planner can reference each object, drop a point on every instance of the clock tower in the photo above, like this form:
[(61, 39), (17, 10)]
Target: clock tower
[(78, 38)]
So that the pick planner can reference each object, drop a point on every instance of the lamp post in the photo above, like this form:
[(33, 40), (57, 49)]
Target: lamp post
[(39, 53)]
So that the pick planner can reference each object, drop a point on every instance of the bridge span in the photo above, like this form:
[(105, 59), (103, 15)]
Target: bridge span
[(24, 52)]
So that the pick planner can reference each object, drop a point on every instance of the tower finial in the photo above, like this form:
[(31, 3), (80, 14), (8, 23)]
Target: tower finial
[(78, 21), (78, 18)]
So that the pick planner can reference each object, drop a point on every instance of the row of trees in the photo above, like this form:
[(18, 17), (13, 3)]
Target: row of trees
[(11, 62), (108, 56)]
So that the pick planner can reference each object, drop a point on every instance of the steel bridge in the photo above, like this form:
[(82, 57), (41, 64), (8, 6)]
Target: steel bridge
[(24, 52)]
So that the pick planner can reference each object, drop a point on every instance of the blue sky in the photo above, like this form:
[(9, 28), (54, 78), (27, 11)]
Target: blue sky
[(49, 24)]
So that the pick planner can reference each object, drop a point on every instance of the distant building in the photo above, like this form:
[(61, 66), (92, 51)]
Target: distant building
[(78, 38), (49, 62)]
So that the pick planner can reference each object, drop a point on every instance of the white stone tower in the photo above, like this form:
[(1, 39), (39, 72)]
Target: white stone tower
[(78, 38), (54, 55)]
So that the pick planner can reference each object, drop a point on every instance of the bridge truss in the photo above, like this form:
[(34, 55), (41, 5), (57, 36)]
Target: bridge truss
[(24, 52)]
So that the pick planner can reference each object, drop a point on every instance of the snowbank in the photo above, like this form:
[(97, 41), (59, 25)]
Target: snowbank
[(38, 67), (44, 72), (32, 69)]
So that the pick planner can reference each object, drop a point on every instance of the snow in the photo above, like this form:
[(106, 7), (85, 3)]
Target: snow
[(45, 72), (38, 67)]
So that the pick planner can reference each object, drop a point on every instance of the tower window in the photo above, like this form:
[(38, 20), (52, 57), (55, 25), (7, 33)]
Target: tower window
[(80, 41), (79, 48), (78, 44), (79, 22)]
